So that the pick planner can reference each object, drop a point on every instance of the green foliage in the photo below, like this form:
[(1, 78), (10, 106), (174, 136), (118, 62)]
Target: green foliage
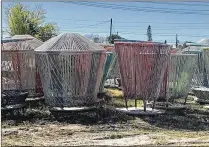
[(112, 37), (17, 17), (149, 33), (96, 39), (21, 20), (46, 32), (184, 45)]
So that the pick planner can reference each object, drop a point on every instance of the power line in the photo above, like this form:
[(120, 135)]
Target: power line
[(131, 6), (160, 29), (159, 22), (132, 33), (141, 28), (137, 27), (114, 30), (134, 9), (176, 27), (99, 25), (188, 4), (124, 32), (143, 34), (168, 35), (191, 23), (137, 24), (75, 19), (93, 24)]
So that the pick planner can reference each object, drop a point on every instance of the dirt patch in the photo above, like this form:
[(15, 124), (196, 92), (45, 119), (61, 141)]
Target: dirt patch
[(73, 134), (49, 135), (39, 128)]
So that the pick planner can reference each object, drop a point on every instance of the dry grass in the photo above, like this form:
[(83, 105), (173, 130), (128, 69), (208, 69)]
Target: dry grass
[(118, 100), (75, 134), (115, 92)]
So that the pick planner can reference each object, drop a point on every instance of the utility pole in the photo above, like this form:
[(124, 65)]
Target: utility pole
[(176, 41), (1, 22), (111, 29), (117, 33)]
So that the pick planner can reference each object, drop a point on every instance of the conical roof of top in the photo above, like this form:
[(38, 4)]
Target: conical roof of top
[(24, 42), (70, 42), (192, 49), (204, 41), (23, 37)]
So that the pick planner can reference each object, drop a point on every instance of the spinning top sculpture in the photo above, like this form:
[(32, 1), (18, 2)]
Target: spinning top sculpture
[(142, 67), (71, 70)]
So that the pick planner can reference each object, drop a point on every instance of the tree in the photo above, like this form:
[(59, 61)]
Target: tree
[(96, 39), (185, 44), (149, 33), (112, 37), (165, 42), (46, 32), (21, 20)]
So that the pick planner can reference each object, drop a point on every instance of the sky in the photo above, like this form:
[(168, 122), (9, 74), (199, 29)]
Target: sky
[(130, 19)]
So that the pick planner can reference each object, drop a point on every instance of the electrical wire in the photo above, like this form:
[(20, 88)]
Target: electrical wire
[(191, 23), (142, 34), (190, 4), (93, 24), (133, 9), (153, 8)]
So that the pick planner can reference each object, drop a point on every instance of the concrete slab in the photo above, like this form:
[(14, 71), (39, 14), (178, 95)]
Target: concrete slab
[(139, 111)]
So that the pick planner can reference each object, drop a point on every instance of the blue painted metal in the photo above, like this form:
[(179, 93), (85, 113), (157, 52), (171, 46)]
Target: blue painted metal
[(107, 66)]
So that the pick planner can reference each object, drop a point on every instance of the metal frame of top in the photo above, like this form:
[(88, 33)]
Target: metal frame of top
[(71, 70), (178, 76), (206, 61), (200, 78), (142, 66), (18, 65)]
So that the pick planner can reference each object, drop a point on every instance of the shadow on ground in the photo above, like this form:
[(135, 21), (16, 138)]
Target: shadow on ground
[(189, 119), (193, 119), (43, 116)]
